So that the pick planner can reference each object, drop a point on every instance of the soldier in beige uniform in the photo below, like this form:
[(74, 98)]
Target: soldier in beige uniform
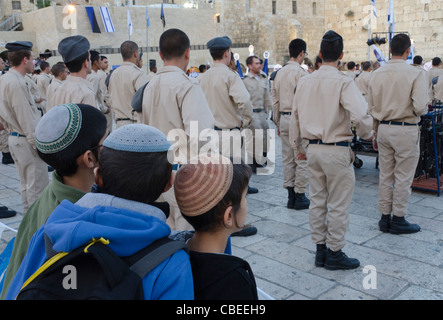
[(106, 96), (295, 173), (362, 81), (227, 96), (258, 88), (325, 103), (33, 88), (171, 101), (19, 114), (396, 105), (60, 72), (124, 82), (76, 89), (94, 78), (4, 135), (43, 80)]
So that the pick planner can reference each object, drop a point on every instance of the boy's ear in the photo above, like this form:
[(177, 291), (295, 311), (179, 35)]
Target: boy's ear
[(88, 160), (228, 217), (170, 182), (98, 177)]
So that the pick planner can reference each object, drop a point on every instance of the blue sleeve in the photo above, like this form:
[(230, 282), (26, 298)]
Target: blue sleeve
[(171, 280), (34, 259)]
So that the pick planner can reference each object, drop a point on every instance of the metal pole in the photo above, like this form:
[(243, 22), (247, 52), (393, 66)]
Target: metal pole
[(369, 29)]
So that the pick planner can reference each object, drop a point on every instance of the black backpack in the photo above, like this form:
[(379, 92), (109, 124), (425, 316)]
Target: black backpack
[(95, 272)]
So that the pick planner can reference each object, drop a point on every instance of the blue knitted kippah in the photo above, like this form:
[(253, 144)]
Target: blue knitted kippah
[(137, 138)]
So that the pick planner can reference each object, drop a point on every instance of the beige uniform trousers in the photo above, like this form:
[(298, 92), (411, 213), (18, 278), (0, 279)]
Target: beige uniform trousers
[(4, 135), (32, 171), (331, 186), (256, 142), (398, 153), (295, 173)]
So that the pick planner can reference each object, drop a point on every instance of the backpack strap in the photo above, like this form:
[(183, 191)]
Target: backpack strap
[(155, 254)]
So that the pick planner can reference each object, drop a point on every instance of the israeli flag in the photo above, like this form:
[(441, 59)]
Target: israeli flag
[(379, 55), (148, 22), (129, 24), (107, 21), (374, 8), (391, 21)]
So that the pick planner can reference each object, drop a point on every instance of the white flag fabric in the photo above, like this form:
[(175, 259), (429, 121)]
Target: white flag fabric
[(379, 55), (107, 21), (391, 21), (411, 56), (374, 8), (129, 24)]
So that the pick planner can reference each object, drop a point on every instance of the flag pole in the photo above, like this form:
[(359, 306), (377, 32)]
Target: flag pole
[(369, 29)]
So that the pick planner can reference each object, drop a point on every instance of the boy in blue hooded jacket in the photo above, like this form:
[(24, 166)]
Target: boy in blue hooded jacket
[(133, 172)]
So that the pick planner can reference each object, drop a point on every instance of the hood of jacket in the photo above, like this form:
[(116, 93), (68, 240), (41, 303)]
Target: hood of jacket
[(128, 225)]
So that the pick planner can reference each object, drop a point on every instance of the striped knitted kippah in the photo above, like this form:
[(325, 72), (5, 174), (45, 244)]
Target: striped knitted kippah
[(201, 185), (137, 138), (58, 128)]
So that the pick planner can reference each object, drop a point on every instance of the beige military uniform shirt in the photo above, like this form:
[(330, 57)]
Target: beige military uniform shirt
[(50, 93), (404, 99), (434, 72), (324, 105), (94, 79), (284, 87), (18, 112), (172, 100), (151, 75), (362, 82), (258, 88), (123, 83), (75, 90), (43, 80), (227, 97)]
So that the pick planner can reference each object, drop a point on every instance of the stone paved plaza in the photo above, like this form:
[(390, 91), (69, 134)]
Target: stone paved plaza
[(281, 254)]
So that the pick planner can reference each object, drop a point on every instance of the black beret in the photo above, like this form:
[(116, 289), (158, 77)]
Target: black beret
[(18, 45), (219, 43), (72, 48)]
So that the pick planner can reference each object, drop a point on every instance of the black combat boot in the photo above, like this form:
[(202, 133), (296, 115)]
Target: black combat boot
[(384, 222), (337, 260), (301, 202), (320, 255), (7, 158), (399, 225), (291, 198)]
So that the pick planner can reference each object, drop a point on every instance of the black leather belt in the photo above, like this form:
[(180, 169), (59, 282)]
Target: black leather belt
[(16, 134), (286, 113), (398, 123), (218, 129), (258, 110), (341, 144), (124, 119)]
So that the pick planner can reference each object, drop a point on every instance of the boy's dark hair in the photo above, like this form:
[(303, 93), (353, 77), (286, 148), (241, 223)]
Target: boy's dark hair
[(295, 47), (44, 65), (16, 57), (213, 219), (366, 65), (351, 65), (250, 59), (418, 60), (399, 44), (76, 65), (331, 46), (436, 61), (103, 58), (137, 176), (217, 54), (57, 69), (202, 68), (95, 56), (173, 43), (127, 49), (92, 130)]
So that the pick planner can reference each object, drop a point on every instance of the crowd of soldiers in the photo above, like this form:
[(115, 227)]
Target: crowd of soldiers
[(312, 110)]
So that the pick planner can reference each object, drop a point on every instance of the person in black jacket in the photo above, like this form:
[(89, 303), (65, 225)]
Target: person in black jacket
[(211, 195)]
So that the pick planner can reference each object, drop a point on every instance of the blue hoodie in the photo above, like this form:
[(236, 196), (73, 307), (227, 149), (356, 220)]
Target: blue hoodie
[(129, 226)]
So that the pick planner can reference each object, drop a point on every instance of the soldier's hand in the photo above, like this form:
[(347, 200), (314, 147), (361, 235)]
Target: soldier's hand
[(374, 144), (301, 156)]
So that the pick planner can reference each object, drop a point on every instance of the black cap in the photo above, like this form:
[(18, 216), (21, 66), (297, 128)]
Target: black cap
[(72, 48), (18, 45), (331, 36), (219, 43)]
